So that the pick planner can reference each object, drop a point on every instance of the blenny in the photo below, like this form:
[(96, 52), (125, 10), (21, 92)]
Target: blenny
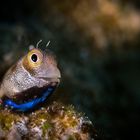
[(30, 81)]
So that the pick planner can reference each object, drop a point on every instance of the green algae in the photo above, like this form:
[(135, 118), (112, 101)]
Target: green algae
[(38, 117), (46, 126), (7, 119)]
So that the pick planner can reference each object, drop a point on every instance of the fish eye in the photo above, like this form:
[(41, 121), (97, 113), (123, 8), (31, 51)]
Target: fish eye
[(34, 58)]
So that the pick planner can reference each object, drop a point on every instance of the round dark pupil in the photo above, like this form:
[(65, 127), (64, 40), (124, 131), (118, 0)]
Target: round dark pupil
[(34, 57)]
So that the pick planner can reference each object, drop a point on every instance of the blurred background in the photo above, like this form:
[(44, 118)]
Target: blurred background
[(97, 44)]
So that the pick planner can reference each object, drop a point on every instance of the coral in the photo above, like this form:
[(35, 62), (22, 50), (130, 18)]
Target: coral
[(54, 122)]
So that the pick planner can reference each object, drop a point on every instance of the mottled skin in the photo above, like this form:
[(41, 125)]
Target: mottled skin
[(31, 75)]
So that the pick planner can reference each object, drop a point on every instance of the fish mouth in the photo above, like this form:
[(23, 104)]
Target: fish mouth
[(52, 81)]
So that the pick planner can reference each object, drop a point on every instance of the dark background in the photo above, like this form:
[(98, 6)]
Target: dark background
[(97, 44)]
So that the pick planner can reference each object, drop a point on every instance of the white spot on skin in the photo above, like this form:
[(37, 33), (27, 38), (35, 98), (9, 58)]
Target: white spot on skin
[(31, 47)]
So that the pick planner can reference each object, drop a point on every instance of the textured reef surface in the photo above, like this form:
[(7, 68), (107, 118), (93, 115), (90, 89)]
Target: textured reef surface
[(54, 122)]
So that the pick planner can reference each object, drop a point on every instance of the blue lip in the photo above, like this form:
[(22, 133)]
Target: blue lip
[(31, 104)]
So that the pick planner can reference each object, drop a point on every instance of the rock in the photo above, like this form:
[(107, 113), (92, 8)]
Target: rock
[(2, 133), (13, 134)]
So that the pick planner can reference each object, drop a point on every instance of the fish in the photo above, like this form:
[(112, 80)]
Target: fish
[(30, 81)]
